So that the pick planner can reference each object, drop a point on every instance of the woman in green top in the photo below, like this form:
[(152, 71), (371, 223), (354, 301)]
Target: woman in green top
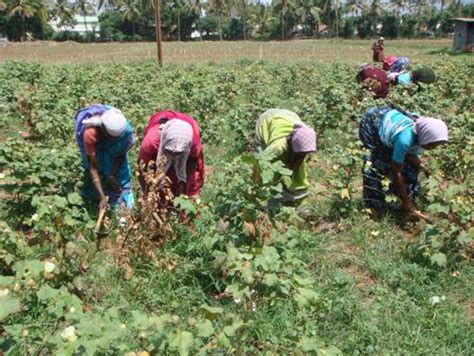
[(283, 133)]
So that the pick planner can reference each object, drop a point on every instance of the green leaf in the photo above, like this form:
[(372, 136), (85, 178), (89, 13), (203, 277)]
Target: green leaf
[(439, 259), (186, 204), (9, 305), (249, 159), (231, 330), (47, 293), (210, 313), (74, 199), (312, 345), (205, 328), (306, 297), (270, 279), (181, 341)]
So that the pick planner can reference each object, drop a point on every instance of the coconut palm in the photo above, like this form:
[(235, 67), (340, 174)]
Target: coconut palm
[(131, 12), (197, 6), (418, 6), (354, 7), (43, 13), (308, 10), (22, 8), (398, 6), (243, 8), (283, 8), (64, 12), (84, 7), (218, 7), (261, 17)]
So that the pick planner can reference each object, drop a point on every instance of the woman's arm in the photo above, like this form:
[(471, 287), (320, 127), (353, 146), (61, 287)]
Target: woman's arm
[(111, 179), (407, 204), (295, 161), (96, 181)]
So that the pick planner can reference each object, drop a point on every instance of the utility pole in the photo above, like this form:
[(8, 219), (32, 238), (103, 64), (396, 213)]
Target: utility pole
[(158, 32)]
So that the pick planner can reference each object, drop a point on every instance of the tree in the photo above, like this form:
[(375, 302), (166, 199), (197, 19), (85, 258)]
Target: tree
[(260, 20), (354, 7), (398, 6), (283, 8), (64, 12), (84, 7), (217, 6), (43, 14), (243, 7), (197, 7), (178, 6), (24, 9), (308, 12), (131, 12)]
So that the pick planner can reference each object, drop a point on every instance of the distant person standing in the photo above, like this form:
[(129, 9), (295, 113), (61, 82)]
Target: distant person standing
[(377, 48)]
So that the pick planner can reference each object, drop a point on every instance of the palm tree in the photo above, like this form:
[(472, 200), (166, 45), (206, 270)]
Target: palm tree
[(307, 10), (84, 7), (418, 6), (196, 6), (22, 8), (178, 6), (354, 6), (131, 12), (218, 7), (43, 14), (261, 18), (398, 6), (64, 12), (3, 5), (283, 7), (243, 7)]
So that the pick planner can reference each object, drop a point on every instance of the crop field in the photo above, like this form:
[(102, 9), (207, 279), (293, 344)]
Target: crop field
[(302, 51), (232, 277)]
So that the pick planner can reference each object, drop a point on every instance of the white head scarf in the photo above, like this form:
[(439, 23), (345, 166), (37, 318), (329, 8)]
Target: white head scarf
[(175, 144), (113, 120)]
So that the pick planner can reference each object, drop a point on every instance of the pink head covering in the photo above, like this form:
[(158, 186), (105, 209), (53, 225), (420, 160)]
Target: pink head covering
[(303, 139), (430, 130)]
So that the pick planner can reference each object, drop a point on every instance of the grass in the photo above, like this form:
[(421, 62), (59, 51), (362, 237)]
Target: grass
[(375, 298), (219, 52)]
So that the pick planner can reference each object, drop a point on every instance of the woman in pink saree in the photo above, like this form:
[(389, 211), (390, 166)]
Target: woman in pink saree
[(173, 143)]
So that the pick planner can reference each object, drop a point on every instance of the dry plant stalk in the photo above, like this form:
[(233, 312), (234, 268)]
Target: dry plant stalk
[(150, 226)]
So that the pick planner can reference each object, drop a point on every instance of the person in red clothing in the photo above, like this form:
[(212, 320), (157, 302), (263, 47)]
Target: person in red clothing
[(374, 80), (172, 142), (377, 49)]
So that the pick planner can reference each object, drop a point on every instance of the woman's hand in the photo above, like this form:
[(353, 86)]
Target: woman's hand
[(104, 201)]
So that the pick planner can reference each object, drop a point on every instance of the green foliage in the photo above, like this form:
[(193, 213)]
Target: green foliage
[(245, 274)]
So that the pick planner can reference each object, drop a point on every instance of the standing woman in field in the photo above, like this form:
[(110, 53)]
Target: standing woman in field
[(377, 48), (104, 137), (172, 143), (291, 140), (395, 140)]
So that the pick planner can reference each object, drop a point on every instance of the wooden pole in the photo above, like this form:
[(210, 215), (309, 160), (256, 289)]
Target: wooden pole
[(158, 32)]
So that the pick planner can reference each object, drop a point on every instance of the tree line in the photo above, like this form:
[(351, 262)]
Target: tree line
[(133, 20)]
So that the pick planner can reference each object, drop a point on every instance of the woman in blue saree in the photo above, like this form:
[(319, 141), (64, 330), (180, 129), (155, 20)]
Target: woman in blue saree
[(104, 137)]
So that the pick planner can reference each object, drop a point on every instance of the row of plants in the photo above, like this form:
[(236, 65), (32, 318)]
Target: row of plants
[(185, 20), (239, 260)]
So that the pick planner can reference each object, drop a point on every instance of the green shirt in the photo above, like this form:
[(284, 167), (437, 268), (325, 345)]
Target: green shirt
[(273, 129)]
